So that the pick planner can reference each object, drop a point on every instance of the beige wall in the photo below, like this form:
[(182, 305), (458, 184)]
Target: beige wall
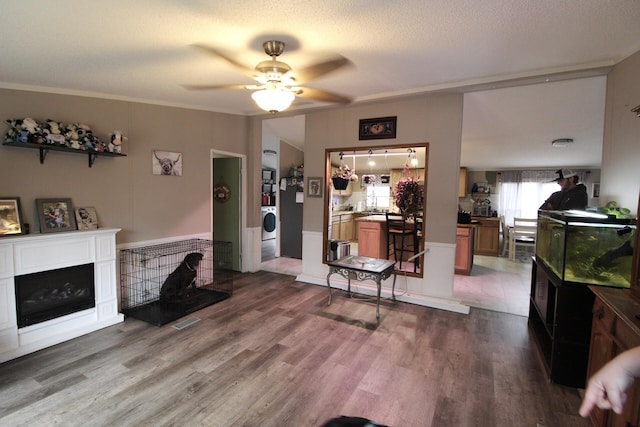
[(122, 189), (621, 146), (436, 119), (290, 156)]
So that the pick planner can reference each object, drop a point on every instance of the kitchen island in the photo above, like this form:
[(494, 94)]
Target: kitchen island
[(487, 235), (465, 237), (372, 236)]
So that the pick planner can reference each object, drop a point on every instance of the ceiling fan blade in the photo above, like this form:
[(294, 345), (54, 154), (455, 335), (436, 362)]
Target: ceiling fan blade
[(213, 87), (317, 70), (218, 53), (322, 95)]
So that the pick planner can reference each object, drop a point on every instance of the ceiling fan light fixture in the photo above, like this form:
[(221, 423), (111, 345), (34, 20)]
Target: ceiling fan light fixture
[(273, 100), (562, 142)]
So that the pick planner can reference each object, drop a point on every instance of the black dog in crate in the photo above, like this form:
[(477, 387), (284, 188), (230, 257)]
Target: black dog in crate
[(182, 281)]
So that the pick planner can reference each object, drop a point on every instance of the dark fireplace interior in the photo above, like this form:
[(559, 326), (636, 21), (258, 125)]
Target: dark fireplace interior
[(49, 294)]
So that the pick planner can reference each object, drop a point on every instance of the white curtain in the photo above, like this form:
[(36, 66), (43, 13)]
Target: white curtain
[(522, 192), (509, 195)]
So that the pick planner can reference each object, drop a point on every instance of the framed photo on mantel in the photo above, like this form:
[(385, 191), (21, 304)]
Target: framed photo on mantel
[(56, 215), (10, 217), (378, 128)]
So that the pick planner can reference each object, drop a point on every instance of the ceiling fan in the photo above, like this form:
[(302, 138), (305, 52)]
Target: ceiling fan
[(278, 84)]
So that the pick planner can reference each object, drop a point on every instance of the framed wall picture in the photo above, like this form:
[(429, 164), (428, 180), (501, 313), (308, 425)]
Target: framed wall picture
[(56, 215), (166, 163), (595, 189), (86, 218), (378, 128), (314, 187), (10, 217)]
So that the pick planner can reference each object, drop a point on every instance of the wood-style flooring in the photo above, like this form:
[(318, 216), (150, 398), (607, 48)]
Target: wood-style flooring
[(274, 354)]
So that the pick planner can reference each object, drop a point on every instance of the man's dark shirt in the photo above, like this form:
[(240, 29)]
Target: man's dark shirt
[(576, 198)]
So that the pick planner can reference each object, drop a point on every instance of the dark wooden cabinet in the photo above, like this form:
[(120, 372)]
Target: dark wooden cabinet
[(635, 272), (560, 318), (615, 329)]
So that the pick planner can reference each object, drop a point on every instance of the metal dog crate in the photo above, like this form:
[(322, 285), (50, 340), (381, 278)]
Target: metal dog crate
[(143, 270)]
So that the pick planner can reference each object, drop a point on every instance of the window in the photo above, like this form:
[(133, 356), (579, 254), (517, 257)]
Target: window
[(522, 199), (378, 197)]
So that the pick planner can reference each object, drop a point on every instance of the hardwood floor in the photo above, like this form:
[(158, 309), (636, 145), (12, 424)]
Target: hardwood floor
[(274, 354)]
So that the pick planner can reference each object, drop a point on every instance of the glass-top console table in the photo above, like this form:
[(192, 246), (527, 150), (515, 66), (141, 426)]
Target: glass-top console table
[(363, 268)]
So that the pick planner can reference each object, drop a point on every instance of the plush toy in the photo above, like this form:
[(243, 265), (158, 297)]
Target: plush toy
[(53, 133), (15, 133), (88, 140), (24, 130), (31, 126), (71, 136), (115, 144)]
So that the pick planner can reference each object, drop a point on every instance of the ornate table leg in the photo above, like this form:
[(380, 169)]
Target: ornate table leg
[(328, 285), (378, 299), (393, 287)]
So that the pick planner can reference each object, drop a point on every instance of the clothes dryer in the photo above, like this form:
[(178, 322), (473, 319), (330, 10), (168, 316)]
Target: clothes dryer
[(269, 221)]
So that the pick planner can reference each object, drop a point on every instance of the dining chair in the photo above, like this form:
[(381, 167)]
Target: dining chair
[(504, 230), (398, 227), (523, 234), (418, 224)]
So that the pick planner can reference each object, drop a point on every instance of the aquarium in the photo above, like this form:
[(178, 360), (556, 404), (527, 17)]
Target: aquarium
[(584, 247)]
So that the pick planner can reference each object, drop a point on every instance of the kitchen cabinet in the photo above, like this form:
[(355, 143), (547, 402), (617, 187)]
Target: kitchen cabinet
[(462, 183), (487, 238), (614, 330), (342, 226), (372, 237), (356, 223), (464, 249)]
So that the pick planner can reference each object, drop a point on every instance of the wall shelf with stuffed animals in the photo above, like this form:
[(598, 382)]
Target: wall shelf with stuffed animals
[(44, 149), (54, 136)]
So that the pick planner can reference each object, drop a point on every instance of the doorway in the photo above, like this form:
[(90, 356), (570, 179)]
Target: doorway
[(227, 212), (282, 149)]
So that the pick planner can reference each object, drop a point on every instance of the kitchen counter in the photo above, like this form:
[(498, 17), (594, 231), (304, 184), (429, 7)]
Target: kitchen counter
[(465, 236), (374, 218)]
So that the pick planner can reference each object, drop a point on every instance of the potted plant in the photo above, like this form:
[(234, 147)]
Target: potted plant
[(342, 176), (409, 196)]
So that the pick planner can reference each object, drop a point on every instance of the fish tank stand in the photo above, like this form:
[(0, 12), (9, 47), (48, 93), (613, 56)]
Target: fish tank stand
[(560, 319), (574, 250)]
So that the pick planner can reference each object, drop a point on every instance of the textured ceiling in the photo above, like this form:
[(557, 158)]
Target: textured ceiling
[(141, 50)]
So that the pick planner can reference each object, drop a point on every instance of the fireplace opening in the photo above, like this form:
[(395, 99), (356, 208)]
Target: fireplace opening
[(49, 294)]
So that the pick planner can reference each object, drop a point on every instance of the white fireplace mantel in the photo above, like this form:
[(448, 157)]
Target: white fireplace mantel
[(41, 252)]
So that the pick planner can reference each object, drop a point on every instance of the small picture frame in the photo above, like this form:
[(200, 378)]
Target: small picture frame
[(87, 218), (595, 190), (314, 187), (10, 217), (377, 128), (56, 215)]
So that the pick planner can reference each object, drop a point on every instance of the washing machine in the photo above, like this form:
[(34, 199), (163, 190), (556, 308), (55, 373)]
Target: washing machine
[(269, 222)]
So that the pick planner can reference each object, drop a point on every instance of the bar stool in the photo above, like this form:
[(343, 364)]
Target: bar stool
[(397, 227)]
